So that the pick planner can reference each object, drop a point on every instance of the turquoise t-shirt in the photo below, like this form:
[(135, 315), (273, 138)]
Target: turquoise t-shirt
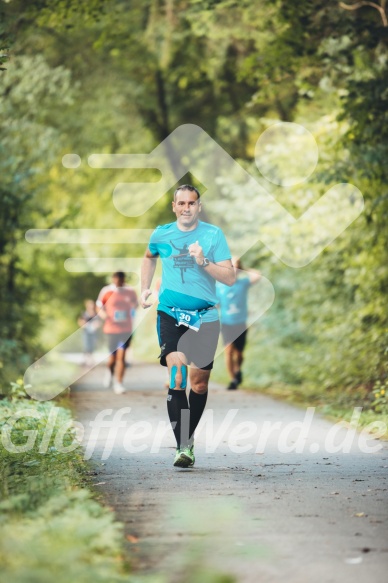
[(233, 301), (185, 284)]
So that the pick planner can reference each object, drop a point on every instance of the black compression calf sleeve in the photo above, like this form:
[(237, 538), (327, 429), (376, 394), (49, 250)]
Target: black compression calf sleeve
[(178, 412), (197, 406)]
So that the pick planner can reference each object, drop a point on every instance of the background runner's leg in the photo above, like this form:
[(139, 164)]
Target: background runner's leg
[(229, 360), (120, 364), (177, 404), (199, 381), (108, 380), (235, 353), (239, 361), (112, 362)]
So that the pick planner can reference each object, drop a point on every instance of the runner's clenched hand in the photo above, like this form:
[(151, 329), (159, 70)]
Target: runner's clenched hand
[(143, 298), (196, 251)]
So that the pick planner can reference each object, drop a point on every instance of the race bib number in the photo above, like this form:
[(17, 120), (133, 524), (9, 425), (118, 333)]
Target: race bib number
[(189, 318), (120, 316)]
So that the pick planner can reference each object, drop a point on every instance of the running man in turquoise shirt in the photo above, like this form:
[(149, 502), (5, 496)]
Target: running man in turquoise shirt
[(194, 255), (233, 302)]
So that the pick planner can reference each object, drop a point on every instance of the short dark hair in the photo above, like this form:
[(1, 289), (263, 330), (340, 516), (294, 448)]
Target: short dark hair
[(119, 274), (187, 187)]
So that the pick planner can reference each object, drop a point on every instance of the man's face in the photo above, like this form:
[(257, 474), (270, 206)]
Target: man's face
[(187, 207), (118, 282)]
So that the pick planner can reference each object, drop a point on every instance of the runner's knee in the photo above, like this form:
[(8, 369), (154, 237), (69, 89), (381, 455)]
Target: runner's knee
[(120, 355), (200, 387)]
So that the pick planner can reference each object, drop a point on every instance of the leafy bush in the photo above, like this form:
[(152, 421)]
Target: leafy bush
[(379, 397), (50, 527), (69, 537)]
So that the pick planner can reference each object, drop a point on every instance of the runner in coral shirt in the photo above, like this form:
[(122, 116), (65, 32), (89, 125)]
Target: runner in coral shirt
[(117, 303)]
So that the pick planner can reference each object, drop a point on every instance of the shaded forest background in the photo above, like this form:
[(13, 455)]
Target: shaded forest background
[(117, 77)]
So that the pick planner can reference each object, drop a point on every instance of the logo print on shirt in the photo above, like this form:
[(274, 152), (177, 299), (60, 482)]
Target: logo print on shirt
[(183, 260), (233, 309)]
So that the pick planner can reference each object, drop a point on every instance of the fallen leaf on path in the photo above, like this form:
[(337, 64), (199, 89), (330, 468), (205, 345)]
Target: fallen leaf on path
[(353, 560), (100, 483), (359, 514), (132, 539)]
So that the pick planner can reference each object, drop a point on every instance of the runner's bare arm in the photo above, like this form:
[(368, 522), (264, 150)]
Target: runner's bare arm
[(100, 306), (101, 312), (148, 267), (222, 271), (254, 275)]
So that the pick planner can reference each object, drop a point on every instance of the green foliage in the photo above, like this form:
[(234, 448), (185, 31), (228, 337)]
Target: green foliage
[(29, 91), (380, 397), (4, 39), (18, 390), (36, 456), (49, 526), (69, 536)]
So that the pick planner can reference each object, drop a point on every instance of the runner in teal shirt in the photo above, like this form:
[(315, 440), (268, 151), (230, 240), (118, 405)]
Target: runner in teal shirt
[(234, 301), (233, 304), (194, 255)]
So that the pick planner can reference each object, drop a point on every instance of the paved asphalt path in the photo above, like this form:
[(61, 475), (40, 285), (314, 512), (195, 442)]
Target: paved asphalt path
[(261, 515)]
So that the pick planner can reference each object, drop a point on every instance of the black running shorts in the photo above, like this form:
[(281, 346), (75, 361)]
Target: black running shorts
[(198, 347), (235, 334)]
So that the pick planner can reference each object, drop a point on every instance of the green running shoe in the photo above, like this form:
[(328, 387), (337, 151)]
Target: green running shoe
[(184, 457), (177, 460)]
